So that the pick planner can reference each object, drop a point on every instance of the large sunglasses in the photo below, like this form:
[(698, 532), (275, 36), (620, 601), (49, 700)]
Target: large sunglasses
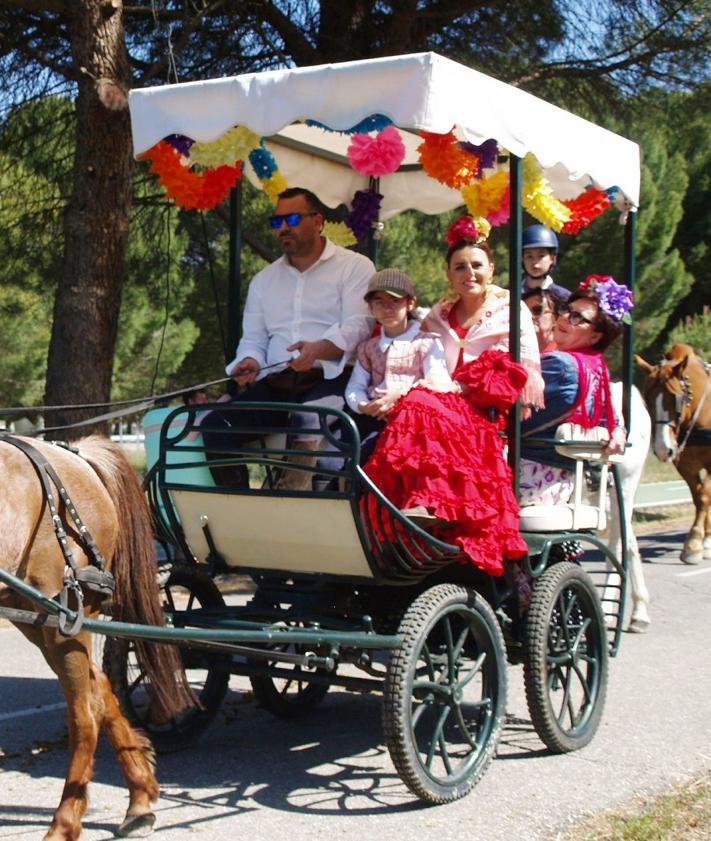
[(574, 317), (291, 219), (537, 310)]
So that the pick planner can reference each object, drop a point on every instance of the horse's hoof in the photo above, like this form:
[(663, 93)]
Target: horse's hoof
[(137, 826), (692, 557), (707, 548), (638, 626)]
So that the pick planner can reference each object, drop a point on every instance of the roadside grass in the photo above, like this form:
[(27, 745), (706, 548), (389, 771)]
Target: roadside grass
[(683, 813)]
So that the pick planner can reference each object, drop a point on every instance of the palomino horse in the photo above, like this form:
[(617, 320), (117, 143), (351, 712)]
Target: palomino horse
[(630, 469), (104, 491), (678, 394)]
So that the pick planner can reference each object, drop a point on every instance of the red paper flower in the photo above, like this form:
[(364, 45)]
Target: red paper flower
[(379, 155), (462, 228), (584, 208)]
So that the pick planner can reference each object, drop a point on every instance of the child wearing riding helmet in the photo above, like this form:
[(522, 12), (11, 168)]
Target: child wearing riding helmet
[(540, 253)]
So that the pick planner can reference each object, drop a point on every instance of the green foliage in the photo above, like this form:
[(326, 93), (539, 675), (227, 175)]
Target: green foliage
[(694, 330)]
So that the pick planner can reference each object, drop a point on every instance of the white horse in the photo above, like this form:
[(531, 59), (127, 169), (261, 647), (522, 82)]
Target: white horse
[(630, 469)]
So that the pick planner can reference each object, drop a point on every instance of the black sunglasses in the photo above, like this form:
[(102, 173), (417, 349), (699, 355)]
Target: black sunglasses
[(291, 219), (574, 317)]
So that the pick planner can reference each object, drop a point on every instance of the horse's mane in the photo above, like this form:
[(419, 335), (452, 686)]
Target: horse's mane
[(134, 565)]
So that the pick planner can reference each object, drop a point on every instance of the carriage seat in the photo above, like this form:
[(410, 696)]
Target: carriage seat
[(195, 471), (581, 512)]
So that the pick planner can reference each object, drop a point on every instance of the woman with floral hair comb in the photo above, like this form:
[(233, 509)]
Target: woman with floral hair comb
[(577, 385), (440, 456)]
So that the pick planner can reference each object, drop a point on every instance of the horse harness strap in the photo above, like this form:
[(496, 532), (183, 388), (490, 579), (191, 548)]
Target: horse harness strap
[(93, 577), (698, 434)]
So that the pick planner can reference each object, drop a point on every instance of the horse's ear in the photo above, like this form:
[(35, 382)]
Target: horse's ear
[(678, 356), (643, 364)]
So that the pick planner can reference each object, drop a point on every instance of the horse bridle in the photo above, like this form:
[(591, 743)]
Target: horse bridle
[(682, 399)]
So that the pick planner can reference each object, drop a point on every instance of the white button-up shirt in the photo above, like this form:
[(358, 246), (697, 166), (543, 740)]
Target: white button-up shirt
[(326, 301)]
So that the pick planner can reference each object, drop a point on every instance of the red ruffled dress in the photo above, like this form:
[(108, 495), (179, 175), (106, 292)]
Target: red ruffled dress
[(442, 451)]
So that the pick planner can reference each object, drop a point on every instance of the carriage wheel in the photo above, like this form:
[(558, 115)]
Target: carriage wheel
[(208, 674), (565, 666), (288, 697), (445, 693)]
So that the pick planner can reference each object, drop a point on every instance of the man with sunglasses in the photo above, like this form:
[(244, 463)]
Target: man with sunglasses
[(303, 318)]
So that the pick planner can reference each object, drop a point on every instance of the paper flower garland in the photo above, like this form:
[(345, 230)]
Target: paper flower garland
[(457, 164), (379, 155), (584, 208), (190, 190), (234, 145), (538, 199), (443, 158)]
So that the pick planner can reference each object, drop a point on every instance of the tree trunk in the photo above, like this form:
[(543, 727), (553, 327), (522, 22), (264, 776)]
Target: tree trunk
[(88, 295)]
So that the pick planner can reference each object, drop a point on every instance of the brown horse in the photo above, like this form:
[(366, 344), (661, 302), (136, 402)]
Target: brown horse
[(678, 394), (109, 500)]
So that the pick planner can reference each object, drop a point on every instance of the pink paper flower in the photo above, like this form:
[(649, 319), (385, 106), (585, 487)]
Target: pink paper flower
[(379, 155)]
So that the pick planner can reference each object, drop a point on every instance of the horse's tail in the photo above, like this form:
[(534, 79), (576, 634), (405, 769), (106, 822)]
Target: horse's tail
[(136, 597)]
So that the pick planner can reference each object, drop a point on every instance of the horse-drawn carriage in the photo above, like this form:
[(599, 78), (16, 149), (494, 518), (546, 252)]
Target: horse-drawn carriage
[(348, 592)]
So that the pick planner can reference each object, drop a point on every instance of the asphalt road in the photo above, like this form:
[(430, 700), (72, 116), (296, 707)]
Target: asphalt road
[(329, 776)]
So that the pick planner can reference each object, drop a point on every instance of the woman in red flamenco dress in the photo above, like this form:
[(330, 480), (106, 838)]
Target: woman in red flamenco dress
[(440, 456), (441, 453)]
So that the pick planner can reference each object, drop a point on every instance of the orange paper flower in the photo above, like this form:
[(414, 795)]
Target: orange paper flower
[(191, 190), (442, 158)]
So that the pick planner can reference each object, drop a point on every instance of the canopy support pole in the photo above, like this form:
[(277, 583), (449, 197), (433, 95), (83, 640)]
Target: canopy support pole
[(234, 275), (628, 329), (515, 257)]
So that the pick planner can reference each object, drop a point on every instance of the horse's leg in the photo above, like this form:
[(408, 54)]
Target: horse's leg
[(695, 476), (707, 522), (70, 660), (135, 756), (639, 621)]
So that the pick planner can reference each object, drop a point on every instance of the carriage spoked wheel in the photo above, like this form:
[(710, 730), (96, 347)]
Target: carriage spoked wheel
[(445, 693), (566, 658), (292, 696), (208, 674)]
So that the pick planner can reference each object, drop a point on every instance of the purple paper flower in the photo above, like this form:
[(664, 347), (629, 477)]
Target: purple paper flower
[(613, 298), (364, 211), (486, 152), (180, 142)]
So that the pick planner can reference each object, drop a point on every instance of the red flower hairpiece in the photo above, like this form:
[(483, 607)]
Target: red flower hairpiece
[(463, 228)]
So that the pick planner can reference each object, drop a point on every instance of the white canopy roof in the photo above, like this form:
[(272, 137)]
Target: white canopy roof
[(424, 91)]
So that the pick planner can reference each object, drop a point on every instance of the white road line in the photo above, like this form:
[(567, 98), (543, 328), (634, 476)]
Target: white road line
[(693, 572), (34, 711)]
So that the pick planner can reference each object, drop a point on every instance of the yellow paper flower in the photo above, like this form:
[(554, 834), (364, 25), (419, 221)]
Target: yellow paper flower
[(483, 225), (486, 195), (234, 145), (538, 199), (274, 185), (339, 233)]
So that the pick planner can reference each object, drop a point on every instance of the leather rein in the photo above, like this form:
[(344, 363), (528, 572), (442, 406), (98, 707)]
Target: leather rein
[(93, 577)]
